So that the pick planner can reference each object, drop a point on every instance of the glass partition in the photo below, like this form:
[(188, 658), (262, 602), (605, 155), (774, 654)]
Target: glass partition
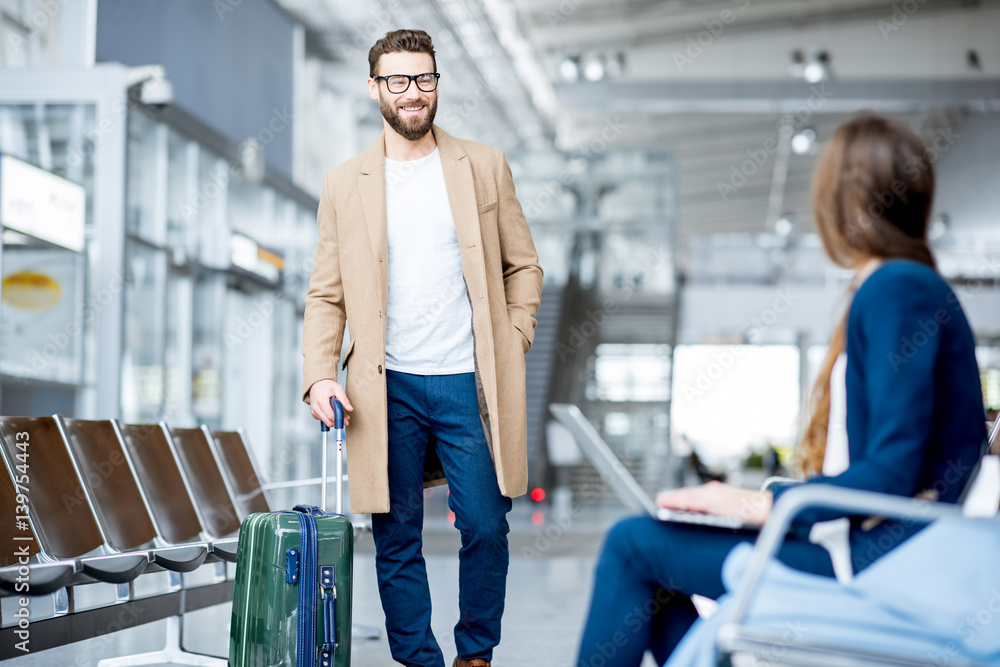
[(216, 271), (251, 210), (146, 184), (177, 353), (182, 193), (143, 368), (207, 350), (48, 303), (204, 342)]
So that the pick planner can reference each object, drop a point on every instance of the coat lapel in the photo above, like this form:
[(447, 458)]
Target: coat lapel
[(371, 185), (461, 189), (462, 196)]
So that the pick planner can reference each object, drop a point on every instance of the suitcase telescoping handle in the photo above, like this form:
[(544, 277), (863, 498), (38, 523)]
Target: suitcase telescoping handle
[(338, 427)]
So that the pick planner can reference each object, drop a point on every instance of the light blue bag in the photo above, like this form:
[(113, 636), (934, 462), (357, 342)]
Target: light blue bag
[(934, 599)]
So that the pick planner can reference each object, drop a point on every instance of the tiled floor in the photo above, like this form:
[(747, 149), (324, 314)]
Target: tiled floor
[(549, 586)]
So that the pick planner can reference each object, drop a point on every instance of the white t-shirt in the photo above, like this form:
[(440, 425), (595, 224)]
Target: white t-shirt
[(837, 457), (429, 318)]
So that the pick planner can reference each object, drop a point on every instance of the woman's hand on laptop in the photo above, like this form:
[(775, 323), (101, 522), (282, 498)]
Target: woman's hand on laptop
[(751, 507)]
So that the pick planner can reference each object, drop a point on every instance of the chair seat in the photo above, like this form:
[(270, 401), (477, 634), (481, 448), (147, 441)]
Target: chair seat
[(180, 559), (116, 569), (42, 579)]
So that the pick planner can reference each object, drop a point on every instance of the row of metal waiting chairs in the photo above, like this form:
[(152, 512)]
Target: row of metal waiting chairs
[(108, 502)]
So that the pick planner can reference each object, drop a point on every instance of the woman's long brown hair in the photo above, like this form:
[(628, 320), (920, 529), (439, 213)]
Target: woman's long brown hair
[(872, 195)]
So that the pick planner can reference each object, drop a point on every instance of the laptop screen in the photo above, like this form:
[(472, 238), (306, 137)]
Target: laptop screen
[(608, 465)]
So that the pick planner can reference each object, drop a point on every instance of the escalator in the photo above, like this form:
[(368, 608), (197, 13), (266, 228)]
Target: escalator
[(540, 365)]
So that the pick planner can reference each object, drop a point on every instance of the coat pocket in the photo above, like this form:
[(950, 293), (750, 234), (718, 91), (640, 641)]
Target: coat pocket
[(486, 208), (519, 335), (347, 355)]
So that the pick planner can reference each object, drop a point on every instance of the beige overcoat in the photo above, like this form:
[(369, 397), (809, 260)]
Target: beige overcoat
[(349, 285)]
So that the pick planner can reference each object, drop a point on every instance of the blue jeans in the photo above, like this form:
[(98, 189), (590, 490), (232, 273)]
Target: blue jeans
[(440, 411)]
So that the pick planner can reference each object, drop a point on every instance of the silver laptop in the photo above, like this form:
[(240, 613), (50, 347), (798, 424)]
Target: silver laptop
[(616, 475)]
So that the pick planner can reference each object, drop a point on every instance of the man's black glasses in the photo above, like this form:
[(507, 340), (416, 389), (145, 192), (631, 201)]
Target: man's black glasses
[(399, 83)]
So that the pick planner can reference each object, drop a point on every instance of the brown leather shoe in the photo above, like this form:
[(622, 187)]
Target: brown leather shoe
[(475, 662)]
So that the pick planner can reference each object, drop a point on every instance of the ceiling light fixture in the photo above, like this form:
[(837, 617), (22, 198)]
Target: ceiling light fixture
[(817, 69), (804, 141), (784, 225), (593, 68), (569, 69)]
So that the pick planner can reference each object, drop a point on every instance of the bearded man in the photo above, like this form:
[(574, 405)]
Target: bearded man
[(425, 254)]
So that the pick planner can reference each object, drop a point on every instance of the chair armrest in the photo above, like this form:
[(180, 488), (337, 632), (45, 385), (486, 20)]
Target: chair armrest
[(225, 550), (42, 578), (808, 496), (180, 558), (116, 568), (777, 479)]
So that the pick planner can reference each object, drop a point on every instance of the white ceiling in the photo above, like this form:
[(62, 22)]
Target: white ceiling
[(516, 46)]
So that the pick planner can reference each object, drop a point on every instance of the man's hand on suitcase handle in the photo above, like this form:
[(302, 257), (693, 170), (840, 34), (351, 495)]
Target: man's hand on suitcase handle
[(320, 394)]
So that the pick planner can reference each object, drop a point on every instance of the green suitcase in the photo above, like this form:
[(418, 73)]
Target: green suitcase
[(292, 603)]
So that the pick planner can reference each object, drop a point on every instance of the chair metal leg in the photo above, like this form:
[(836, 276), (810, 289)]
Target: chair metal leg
[(62, 602), (171, 653)]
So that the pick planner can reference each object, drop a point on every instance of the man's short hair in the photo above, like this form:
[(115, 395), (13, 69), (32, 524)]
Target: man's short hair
[(400, 41)]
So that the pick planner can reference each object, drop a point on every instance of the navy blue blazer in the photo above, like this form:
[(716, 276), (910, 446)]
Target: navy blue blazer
[(915, 417)]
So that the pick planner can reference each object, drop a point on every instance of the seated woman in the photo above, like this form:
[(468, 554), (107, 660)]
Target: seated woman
[(915, 422)]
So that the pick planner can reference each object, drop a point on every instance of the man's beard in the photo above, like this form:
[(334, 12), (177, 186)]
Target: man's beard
[(412, 129)]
